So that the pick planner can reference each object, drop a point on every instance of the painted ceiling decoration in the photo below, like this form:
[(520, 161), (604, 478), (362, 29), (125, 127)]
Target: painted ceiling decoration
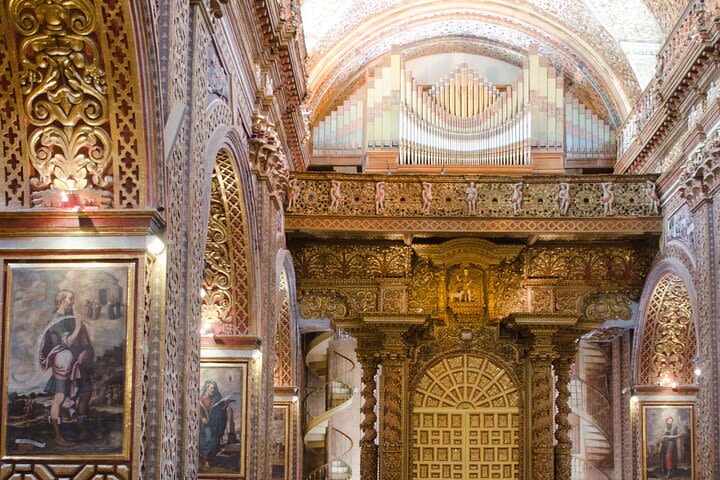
[(605, 49)]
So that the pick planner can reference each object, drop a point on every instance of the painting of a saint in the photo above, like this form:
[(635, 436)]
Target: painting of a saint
[(668, 442), (68, 328), (280, 447), (222, 420)]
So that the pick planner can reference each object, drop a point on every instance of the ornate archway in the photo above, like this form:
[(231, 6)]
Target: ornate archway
[(225, 307), (668, 345), (465, 421)]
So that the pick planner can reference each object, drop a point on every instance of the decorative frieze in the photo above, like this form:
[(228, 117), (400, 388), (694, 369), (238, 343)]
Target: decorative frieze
[(471, 196)]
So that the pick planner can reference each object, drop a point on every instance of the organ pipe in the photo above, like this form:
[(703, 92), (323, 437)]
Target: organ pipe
[(464, 118)]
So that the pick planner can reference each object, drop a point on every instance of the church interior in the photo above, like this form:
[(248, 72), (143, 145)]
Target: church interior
[(360, 240)]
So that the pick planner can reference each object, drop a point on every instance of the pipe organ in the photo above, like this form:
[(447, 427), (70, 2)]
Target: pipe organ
[(466, 120)]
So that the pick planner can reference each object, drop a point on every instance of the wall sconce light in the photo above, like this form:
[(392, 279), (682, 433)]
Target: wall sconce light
[(203, 293), (634, 399), (257, 354), (697, 371), (155, 245), (295, 398)]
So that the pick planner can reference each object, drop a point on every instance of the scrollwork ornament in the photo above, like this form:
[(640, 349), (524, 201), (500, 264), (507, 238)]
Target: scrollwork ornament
[(65, 100)]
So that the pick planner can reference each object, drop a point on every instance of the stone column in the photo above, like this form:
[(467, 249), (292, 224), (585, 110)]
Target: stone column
[(541, 358), (368, 447), (563, 447), (392, 403)]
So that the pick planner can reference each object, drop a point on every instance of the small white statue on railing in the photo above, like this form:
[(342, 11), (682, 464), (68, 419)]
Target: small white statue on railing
[(652, 196), (607, 198), (517, 198), (471, 194), (379, 197), (563, 198), (336, 197), (427, 196), (293, 194)]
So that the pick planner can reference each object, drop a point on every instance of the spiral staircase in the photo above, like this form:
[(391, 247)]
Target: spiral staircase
[(333, 395), (592, 430)]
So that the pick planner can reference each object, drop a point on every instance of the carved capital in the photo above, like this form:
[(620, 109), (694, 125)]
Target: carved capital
[(267, 157), (701, 176)]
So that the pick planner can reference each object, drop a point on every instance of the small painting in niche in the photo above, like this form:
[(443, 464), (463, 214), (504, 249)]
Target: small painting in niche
[(668, 442), (68, 359), (222, 419), (280, 437)]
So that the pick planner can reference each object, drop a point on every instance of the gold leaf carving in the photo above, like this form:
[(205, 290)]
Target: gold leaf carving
[(64, 90), (668, 346)]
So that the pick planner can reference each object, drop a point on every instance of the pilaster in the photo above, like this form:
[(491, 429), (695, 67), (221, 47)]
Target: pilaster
[(566, 350), (393, 393), (541, 358)]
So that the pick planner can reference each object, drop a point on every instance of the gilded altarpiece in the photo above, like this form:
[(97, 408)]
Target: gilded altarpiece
[(475, 330)]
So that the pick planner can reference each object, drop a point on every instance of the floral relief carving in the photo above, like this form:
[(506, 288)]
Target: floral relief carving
[(323, 305), (225, 306), (64, 90), (668, 345), (76, 91)]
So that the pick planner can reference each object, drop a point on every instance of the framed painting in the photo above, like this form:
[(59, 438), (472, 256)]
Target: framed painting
[(668, 441), (280, 446), (67, 359), (222, 412)]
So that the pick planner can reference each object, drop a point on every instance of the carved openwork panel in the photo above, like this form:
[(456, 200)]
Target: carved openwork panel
[(284, 338), (465, 421), (620, 265), (75, 92), (225, 306), (668, 345), (63, 471), (352, 261)]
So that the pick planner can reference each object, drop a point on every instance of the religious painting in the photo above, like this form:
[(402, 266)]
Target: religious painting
[(280, 446), (223, 394), (668, 441), (67, 359)]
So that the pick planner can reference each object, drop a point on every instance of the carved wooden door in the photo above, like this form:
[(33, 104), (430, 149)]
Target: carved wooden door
[(465, 422)]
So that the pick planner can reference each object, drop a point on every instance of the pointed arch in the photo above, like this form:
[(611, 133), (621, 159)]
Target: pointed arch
[(226, 308), (287, 333), (666, 341)]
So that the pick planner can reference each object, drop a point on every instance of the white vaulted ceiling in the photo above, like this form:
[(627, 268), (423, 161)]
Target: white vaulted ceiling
[(605, 48)]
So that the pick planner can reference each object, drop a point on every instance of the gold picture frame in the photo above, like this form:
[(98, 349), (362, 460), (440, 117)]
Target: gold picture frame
[(66, 373), (280, 441), (223, 418), (668, 440)]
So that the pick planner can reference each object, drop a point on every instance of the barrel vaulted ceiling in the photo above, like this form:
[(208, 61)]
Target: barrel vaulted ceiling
[(605, 48)]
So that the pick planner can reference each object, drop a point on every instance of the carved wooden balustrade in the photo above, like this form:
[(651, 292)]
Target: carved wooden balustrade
[(465, 203), (688, 50)]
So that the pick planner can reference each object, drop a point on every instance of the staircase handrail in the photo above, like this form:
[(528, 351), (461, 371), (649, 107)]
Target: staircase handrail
[(599, 415), (592, 468), (329, 383), (324, 472)]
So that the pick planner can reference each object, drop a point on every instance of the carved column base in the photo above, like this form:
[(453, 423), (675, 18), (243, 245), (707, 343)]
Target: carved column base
[(542, 463), (563, 458), (391, 464), (368, 461)]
